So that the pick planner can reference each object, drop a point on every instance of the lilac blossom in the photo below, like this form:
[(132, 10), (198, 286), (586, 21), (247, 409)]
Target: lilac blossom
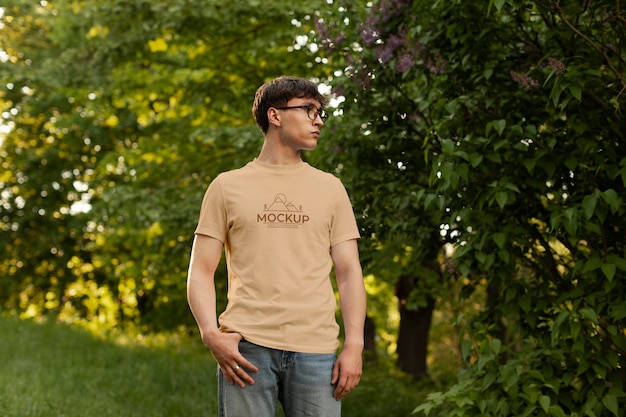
[(397, 40), (524, 80), (437, 64), (384, 53), (393, 8), (404, 63), (337, 90), (323, 32), (339, 38), (357, 72), (557, 66), (368, 36), (321, 28), (369, 30), (362, 79), (372, 21)]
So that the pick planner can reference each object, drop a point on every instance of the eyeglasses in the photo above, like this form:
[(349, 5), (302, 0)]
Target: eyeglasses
[(311, 111)]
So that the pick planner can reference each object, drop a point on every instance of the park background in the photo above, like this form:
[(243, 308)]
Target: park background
[(482, 144)]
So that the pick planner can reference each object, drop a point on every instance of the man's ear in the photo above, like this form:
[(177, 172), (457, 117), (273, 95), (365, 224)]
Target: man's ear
[(273, 116)]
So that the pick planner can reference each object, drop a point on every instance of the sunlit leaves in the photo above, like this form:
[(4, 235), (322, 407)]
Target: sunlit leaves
[(134, 106)]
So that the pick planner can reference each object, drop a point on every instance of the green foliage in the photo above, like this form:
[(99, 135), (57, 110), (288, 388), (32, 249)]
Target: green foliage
[(120, 113), (494, 130), (536, 381), (497, 128), (384, 392)]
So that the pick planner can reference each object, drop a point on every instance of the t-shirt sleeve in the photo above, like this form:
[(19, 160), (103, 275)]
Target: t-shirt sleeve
[(213, 221), (344, 226)]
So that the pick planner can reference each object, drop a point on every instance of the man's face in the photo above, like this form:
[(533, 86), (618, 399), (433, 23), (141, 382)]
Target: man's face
[(301, 121)]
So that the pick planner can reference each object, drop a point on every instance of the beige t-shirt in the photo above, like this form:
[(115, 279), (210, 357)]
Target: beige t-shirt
[(278, 224)]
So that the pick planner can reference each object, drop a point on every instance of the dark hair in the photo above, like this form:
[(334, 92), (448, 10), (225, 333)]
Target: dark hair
[(278, 92)]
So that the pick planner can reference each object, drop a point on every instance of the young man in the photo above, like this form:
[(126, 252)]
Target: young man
[(283, 224)]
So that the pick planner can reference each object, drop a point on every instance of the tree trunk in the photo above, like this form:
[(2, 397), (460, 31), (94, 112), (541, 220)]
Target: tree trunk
[(499, 327), (370, 341), (414, 330)]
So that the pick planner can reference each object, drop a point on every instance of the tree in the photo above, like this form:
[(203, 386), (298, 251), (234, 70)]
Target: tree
[(120, 114), (379, 154), (500, 125)]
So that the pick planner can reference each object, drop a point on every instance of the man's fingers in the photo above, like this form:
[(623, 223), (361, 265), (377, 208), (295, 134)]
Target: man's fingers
[(335, 374), (249, 366), (238, 374), (345, 386)]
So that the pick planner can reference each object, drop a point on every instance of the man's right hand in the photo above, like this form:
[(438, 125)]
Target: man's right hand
[(225, 349)]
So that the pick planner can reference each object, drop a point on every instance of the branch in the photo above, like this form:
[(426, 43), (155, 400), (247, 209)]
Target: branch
[(557, 7), (618, 13), (411, 102)]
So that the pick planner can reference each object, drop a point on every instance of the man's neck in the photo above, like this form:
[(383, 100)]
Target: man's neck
[(275, 155)]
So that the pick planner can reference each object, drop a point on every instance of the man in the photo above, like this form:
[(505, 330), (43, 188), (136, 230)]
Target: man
[(282, 224)]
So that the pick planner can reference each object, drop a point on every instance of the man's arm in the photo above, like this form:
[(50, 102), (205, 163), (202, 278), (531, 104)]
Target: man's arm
[(352, 300), (205, 257)]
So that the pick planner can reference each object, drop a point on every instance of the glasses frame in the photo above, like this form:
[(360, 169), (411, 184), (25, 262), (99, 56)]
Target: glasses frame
[(323, 115)]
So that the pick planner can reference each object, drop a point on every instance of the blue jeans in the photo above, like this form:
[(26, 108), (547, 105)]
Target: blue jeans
[(300, 381)]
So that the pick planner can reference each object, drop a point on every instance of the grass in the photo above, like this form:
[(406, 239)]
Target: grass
[(55, 371), (52, 370)]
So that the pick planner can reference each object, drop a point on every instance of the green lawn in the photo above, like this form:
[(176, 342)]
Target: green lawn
[(51, 370)]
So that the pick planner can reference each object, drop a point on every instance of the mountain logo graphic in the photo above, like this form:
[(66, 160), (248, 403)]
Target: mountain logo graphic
[(282, 204), (282, 213)]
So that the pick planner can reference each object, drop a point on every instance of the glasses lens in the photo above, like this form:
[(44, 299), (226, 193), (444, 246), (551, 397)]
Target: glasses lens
[(313, 113)]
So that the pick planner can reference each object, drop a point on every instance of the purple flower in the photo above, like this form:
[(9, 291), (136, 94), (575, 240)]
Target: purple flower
[(557, 66), (384, 53), (340, 38), (321, 28), (369, 30), (337, 90), (393, 8), (524, 80), (397, 40), (372, 20), (324, 34), (404, 63), (362, 79), (437, 64), (368, 36)]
